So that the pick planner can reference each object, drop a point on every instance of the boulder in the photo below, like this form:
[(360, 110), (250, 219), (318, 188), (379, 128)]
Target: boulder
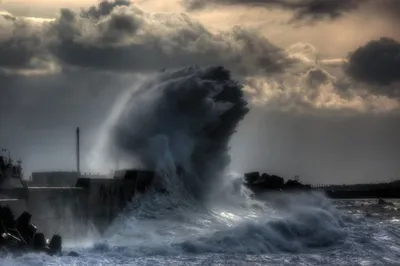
[(21, 235)]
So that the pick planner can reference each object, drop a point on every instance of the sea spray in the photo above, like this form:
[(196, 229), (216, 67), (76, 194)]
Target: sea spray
[(307, 222), (179, 123)]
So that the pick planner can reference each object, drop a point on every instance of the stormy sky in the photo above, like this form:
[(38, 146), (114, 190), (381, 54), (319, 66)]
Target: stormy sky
[(322, 77)]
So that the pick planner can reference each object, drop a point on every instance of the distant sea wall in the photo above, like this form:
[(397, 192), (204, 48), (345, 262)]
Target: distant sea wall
[(262, 183), (383, 190)]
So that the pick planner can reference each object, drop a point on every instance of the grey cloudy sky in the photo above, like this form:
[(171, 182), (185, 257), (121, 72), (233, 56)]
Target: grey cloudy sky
[(322, 77)]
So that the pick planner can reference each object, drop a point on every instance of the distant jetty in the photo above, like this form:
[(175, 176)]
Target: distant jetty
[(261, 183)]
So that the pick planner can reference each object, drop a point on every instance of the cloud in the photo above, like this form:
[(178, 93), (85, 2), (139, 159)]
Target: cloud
[(7, 16), (116, 36), (309, 86), (104, 8), (377, 62), (120, 38), (375, 67), (129, 39), (23, 47), (303, 9)]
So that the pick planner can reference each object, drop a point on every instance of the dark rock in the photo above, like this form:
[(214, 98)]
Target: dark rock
[(7, 217), (39, 241), (73, 254), (25, 228), (19, 236), (55, 244)]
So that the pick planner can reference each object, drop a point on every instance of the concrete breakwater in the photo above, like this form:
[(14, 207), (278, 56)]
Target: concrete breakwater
[(72, 209)]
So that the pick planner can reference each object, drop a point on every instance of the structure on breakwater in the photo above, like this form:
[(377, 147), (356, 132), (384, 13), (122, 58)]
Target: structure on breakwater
[(69, 203)]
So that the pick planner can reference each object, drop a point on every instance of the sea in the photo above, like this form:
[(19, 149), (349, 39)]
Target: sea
[(179, 123), (290, 230)]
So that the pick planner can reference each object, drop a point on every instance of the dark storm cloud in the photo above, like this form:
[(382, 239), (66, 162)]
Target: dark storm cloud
[(118, 37), (104, 8), (21, 45), (376, 62), (303, 9), (121, 24), (19, 50), (124, 41), (377, 66), (122, 38), (315, 77)]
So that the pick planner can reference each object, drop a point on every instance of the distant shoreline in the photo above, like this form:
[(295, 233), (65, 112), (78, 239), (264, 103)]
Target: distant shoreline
[(261, 183)]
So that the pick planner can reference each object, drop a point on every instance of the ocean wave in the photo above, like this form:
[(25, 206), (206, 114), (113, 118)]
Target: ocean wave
[(304, 224), (179, 123)]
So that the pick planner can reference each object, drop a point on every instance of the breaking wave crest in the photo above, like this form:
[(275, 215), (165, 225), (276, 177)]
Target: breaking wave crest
[(303, 225), (298, 228), (179, 123)]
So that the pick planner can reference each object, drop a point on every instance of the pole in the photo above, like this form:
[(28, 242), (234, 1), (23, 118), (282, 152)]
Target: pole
[(77, 151), (116, 159)]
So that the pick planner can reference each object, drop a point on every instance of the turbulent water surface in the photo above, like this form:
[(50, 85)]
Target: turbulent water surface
[(179, 123), (299, 230)]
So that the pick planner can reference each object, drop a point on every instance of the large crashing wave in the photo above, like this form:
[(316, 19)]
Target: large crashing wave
[(179, 123), (307, 222)]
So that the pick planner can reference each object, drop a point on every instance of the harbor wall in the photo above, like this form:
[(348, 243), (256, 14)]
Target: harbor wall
[(59, 210), (75, 211)]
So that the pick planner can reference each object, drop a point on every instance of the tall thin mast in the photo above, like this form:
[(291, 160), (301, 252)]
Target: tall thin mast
[(78, 168)]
